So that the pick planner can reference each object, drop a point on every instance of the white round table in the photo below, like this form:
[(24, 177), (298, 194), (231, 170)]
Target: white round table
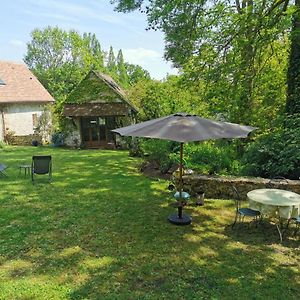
[(275, 202)]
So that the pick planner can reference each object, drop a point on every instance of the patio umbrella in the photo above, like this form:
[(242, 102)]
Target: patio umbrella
[(182, 127)]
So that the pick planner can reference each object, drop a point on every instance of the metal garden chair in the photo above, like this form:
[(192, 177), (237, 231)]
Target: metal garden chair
[(2, 170), (277, 180), (41, 165), (297, 220), (241, 213)]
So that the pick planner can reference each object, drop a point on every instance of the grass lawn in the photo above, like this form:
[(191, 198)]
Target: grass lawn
[(100, 231)]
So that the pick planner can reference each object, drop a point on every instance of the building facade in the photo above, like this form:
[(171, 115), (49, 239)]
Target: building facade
[(95, 107), (23, 100)]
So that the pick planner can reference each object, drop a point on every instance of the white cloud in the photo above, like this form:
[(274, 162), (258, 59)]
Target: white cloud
[(16, 43), (140, 56)]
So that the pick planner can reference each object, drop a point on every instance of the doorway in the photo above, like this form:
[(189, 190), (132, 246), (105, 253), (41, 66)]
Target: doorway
[(94, 132)]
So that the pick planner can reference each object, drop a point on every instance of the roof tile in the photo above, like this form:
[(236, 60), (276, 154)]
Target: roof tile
[(20, 85)]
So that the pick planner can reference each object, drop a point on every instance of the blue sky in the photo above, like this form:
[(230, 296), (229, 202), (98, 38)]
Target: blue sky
[(123, 31)]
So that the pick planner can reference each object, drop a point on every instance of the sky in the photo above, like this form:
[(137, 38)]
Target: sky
[(121, 31)]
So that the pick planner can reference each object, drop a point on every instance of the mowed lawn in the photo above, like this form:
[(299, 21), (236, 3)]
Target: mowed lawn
[(100, 231)]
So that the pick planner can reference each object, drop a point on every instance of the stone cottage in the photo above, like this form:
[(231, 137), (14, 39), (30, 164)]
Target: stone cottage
[(95, 107), (23, 100)]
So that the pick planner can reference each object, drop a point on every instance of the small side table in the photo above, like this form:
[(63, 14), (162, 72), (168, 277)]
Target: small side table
[(26, 168)]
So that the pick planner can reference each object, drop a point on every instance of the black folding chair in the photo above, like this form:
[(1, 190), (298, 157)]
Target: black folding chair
[(2, 170), (41, 165)]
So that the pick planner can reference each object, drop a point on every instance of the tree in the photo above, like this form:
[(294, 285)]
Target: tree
[(155, 98), (61, 58), (111, 61), (136, 73), (121, 70), (227, 39), (293, 74)]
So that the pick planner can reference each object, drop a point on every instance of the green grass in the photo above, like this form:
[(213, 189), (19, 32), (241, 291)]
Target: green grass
[(100, 231)]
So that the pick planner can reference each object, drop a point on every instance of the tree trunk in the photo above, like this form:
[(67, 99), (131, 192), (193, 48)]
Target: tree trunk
[(293, 74)]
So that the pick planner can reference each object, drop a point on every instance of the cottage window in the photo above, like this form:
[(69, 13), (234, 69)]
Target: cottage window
[(101, 121), (34, 120)]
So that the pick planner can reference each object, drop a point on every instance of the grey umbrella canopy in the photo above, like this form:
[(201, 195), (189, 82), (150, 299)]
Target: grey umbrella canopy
[(182, 127)]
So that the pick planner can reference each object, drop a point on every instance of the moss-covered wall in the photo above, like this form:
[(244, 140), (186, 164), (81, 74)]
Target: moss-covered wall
[(216, 187), (93, 89)]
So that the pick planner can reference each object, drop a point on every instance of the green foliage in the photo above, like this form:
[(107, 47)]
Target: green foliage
[(58, 139), (293, 74), (211, 158), (136, 73), (121, 70), (60, 59), (203, 157), (276, 153), (90, 89), (155, 98), (111, 61), (9, 137), (2, 144), (227, 47), (161, 151)]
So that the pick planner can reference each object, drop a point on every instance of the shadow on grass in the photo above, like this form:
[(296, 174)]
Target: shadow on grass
[(100, 231)]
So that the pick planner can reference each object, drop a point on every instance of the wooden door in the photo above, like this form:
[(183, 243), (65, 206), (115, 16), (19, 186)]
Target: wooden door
[(94, 132)]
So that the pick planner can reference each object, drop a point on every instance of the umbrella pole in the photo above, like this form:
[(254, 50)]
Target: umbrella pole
[(180, 179)]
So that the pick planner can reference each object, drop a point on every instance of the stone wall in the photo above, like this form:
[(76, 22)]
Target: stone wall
[(72, 134), (25, 140), (219, 187)]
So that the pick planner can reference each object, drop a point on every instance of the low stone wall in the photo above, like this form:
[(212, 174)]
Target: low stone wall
[(24, 140), (219, 187)]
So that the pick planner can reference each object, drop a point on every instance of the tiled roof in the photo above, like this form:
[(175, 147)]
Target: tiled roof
[(20, 85)]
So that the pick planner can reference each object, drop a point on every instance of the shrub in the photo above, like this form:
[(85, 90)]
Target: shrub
[(211, 158), (134, 146), (2, 144), (160, 151), (9, 137), (58, 139), (204, 157), (276, 153)]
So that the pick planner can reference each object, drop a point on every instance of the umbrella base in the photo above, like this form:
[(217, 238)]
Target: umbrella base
[(185, 220)]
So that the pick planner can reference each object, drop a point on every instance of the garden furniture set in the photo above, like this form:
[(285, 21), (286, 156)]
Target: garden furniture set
[(40, 165)]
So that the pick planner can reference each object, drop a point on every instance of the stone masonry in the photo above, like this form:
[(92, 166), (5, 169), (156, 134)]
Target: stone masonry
[(219, 187)]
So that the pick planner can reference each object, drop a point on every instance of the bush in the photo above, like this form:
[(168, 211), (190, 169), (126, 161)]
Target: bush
[(211, 157), (58, 139), (204, 157), (2, 144), (276, 153), (134, 146), (161, 151), (9, 137)]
